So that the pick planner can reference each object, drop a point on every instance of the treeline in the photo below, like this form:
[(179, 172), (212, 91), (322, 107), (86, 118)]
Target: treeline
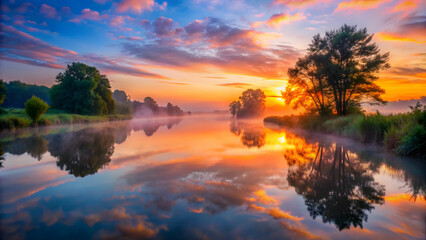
[(80, 89), (149, 107)]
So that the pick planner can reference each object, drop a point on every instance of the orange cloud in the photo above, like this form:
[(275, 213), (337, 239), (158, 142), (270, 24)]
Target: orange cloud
[(284, 18), (359, 4), (405, 6), (297, 3), (137, 6), (277, 20), (399, 37)]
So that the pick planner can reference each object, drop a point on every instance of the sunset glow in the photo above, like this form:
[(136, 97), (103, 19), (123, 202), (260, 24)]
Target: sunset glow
[(205, 53)]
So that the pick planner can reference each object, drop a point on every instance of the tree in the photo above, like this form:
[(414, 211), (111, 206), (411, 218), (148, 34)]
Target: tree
[(307, 85), (122, 101), (151, 104), (35, 107), (234, 107), (82, 89), (120, 96), (347, 62), (3, 91), (250, 104)]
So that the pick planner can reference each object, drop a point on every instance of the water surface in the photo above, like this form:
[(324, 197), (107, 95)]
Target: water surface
[(203, 178)]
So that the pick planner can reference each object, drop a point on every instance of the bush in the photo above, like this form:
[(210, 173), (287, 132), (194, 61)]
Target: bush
[(413, 143), (35, 107)]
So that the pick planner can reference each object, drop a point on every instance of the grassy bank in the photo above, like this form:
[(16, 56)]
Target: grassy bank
[(403, 134), (16, 118)]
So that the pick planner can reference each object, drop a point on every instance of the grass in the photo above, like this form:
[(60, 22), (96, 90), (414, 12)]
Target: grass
[(16, 118), (403, 134)]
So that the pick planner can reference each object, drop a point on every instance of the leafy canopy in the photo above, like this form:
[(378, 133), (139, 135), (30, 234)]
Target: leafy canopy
[(82, 89), (250, 104), (339, 71)]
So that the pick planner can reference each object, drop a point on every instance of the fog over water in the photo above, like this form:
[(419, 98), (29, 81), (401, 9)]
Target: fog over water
[(203, 177)]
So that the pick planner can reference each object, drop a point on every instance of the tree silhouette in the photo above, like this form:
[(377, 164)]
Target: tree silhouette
[(339, 68), (250, 104), (337, 187)]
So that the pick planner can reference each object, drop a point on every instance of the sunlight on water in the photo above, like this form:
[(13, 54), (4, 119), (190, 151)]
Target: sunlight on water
[(203, 177)]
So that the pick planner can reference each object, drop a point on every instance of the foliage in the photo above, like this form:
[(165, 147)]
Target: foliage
[(120, 96), (339, 69), (307, 86), (18, 93), (35, 107), (250, 104), (3, 91), (82, 89)]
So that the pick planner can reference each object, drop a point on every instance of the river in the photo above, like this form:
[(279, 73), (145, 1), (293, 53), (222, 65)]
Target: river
[(203, 177)]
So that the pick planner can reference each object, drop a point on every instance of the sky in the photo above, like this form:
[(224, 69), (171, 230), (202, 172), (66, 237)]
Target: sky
[(201, 54)]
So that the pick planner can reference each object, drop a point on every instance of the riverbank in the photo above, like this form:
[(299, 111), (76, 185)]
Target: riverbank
[(403, 134), (16, 118)]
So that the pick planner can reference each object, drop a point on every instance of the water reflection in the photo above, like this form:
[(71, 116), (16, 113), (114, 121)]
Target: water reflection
[(201, 181), (336, 186), (252, 135)]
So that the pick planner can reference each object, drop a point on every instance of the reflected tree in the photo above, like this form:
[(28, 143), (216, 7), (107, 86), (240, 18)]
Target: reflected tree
[(1, 157), (34, 145), (251, 135), (151, 126), (337, 187), (84, 152)]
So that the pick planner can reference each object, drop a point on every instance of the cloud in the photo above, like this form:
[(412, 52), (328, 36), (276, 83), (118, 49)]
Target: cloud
[(48, 11), (87, 14), (18, 46), (237, 85), (175, 83), (359, 4), (405, 5), (412, 29), (277, 20), (297, 3), (210, 43), (136, 6)]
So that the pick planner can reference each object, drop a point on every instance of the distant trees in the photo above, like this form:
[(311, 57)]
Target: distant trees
[(150, 103), (82, 89), (35, 107), (18, 93), (173, 110), (250, 104), (122, 102), (3, 91), (338, 72)]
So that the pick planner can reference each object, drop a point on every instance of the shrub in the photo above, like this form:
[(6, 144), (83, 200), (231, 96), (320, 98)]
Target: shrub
[(35, 107), (414, 143)]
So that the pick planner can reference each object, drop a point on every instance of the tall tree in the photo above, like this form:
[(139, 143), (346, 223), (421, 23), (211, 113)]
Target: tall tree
[(346, 60), (82, 89), (307, 85)]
